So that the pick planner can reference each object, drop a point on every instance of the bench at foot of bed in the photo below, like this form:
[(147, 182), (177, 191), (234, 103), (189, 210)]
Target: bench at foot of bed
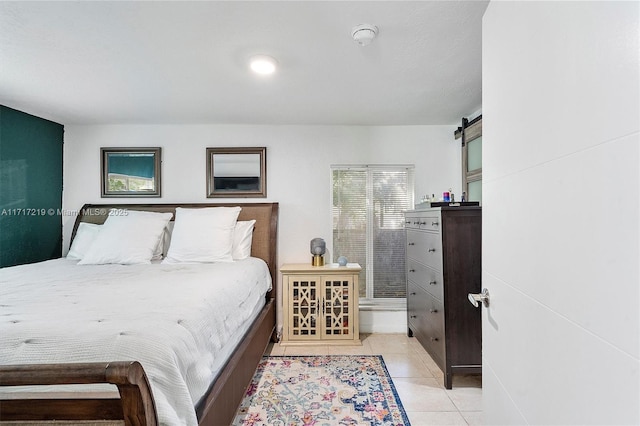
[(134, 406)]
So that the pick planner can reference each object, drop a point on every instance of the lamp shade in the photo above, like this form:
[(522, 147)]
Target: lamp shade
[(318, 246)]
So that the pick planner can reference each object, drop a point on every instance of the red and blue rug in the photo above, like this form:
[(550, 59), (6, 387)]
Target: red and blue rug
[(341, 390)]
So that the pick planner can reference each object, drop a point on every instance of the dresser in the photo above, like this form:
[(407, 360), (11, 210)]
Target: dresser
[(320, 304), (443, 266)]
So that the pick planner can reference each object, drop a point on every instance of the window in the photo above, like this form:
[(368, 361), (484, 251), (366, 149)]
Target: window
[(368, 227), (472, 159)]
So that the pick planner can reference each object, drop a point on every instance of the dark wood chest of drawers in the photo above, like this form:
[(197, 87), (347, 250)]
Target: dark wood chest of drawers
[(443, 267)]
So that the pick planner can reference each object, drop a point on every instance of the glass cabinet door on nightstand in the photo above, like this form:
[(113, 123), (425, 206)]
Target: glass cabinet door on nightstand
[(336, 308), (304, 303)]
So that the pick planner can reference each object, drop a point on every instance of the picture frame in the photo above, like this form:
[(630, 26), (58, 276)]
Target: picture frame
[(130, 172), (237, 172)]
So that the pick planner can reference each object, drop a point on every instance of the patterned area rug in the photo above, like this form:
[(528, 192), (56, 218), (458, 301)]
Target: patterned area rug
[(343, 390)]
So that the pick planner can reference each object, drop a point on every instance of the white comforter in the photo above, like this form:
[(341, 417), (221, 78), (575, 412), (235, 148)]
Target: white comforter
[(174, 319)]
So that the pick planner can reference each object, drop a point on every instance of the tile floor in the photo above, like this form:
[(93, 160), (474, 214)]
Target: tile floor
[(416, 377)]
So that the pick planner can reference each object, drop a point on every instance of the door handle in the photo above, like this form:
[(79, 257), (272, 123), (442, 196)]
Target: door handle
[(483, 298)]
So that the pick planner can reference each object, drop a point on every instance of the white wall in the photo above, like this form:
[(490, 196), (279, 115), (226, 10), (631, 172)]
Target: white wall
[(298, 164), (560, 217)]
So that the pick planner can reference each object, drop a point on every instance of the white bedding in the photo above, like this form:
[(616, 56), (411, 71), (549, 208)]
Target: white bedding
[(175, 319)]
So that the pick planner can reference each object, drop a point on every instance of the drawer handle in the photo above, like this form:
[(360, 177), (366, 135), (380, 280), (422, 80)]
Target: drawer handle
[(433, 311), (433, 339), (414, 316), (413, 293), (434, 224), (432, 250), (433, 282), (422, 223), (412, 244), (408, 222), (412, 270)]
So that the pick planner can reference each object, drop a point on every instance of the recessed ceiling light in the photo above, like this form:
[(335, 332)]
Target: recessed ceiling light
[(263, 64)]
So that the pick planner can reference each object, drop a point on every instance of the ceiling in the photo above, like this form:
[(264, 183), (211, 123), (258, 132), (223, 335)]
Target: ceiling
[(86, 62)]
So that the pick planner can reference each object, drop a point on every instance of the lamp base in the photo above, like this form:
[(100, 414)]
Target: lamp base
[(317, 260)]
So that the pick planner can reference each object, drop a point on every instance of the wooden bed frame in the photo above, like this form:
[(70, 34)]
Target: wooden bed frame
[(134, 404)]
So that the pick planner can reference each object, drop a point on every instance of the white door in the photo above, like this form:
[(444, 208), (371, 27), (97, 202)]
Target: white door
[(560, 213)]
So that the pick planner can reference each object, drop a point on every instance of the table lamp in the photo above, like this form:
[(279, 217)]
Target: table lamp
[(318, 248)]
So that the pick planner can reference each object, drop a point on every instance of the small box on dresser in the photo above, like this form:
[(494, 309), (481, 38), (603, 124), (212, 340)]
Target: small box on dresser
[(320, 304), (443, 267)]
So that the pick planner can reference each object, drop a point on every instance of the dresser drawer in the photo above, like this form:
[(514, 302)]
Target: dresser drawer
[(430, 222), (435, 326), (425, 247), (427, 278), (412, 222), (417, 299), (425, 316)]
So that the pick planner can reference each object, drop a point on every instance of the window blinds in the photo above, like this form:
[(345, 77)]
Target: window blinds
[(368, 224)]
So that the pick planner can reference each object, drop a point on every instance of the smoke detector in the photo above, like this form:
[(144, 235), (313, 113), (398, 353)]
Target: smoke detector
[(364, 34)]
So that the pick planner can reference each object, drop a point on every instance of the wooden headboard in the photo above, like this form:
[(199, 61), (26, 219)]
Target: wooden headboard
[(265, 233)]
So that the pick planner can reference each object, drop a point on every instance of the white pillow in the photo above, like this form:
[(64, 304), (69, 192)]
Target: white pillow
[(127, 238), (203, 235), (85, 235), (242, 238), (87, 232), (241, 247)]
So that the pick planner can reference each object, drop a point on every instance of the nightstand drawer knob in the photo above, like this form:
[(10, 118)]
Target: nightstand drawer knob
[(412, 270), (412, 244), (432, 250), (433, 311), (413, 293), (433, 282), (414, 316), (434, 224), (433, 339)]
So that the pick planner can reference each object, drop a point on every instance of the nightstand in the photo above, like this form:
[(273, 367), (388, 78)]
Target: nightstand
[(320, 304)]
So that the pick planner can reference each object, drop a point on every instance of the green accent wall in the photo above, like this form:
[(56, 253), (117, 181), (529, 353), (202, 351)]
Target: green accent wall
[(30, 188)]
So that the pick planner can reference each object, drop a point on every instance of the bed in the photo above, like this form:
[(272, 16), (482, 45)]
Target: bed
[(140, 397)]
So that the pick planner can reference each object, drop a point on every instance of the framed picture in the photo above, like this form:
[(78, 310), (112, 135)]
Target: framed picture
[(237, 172), (130, 172)]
